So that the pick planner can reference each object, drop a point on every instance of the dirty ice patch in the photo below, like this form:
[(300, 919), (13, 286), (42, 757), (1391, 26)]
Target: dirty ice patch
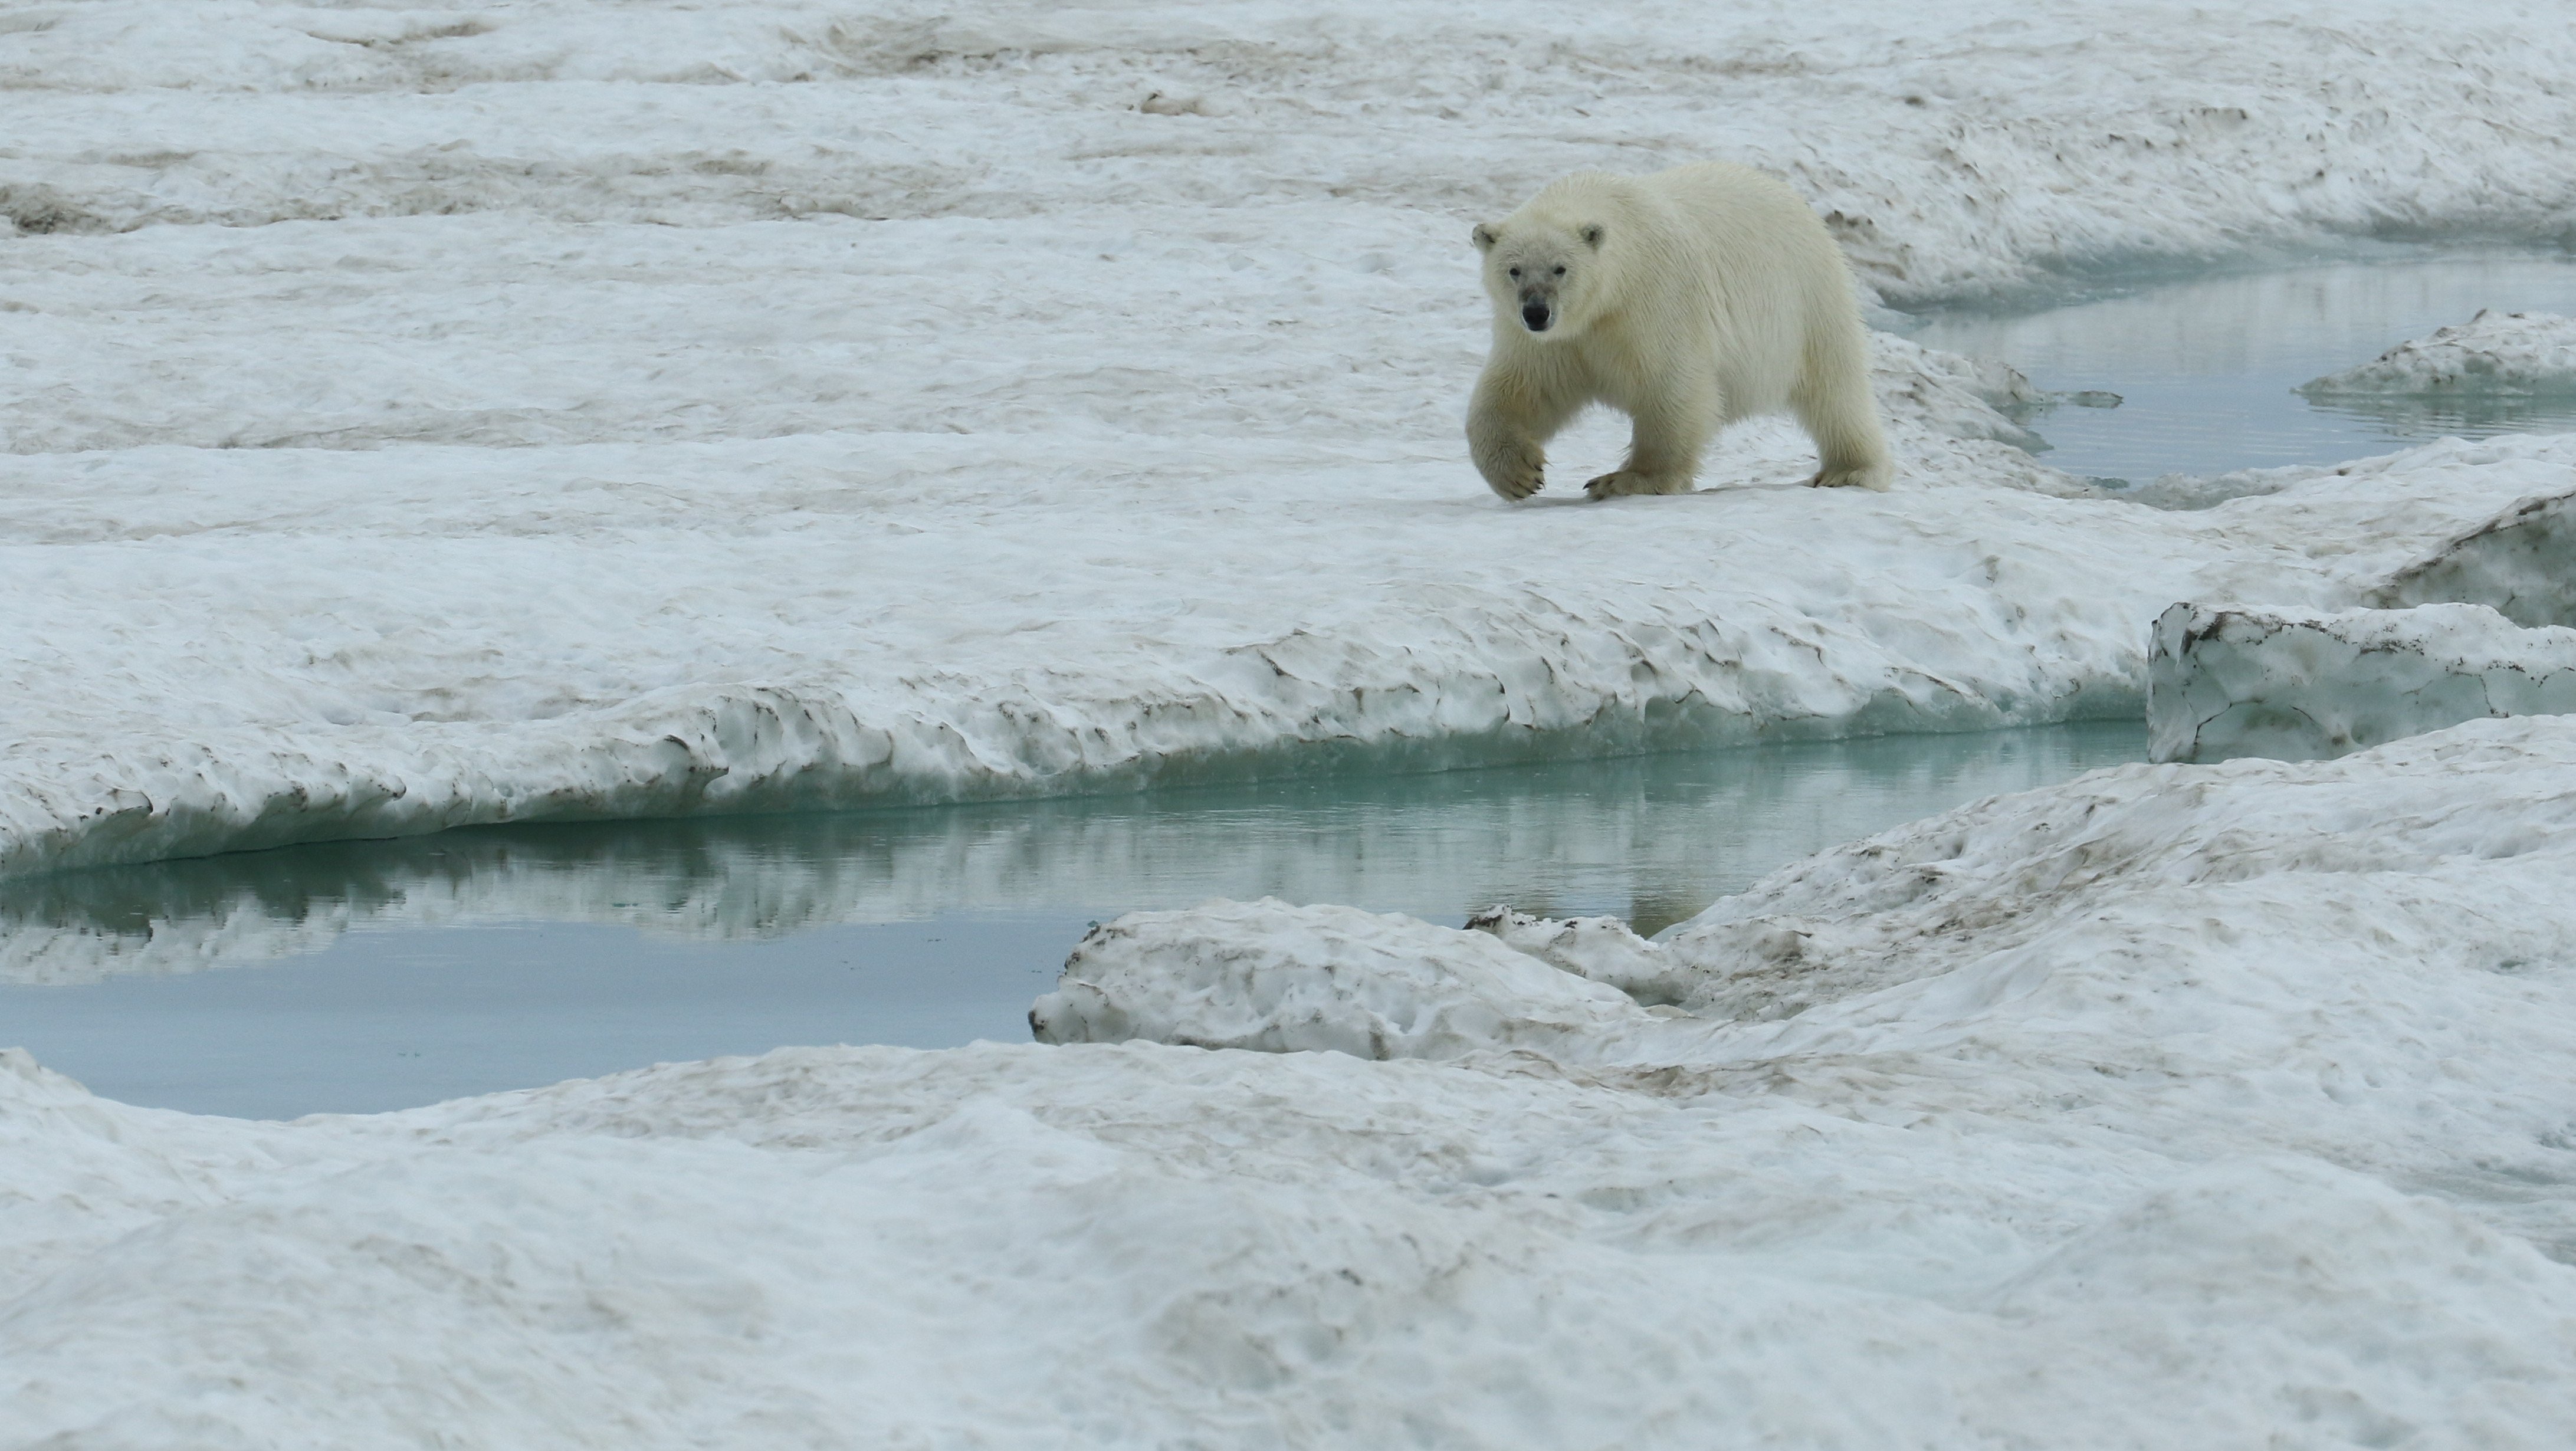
[(1274, 978), (2514, 563)]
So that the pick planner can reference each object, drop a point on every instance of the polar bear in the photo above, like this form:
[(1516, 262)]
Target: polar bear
[(1686, 299)]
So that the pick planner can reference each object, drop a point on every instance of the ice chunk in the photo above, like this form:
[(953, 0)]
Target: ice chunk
[(1268, 976), (2519, 353), (2302, 685), (2059, 914), (1601, 949), (2104, 868)]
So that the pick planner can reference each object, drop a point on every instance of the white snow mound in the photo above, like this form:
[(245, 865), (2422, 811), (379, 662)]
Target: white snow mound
[(2513, 354), (1959, 901), (1278, 979)]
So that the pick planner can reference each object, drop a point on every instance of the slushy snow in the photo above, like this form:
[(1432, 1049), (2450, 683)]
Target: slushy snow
[(420, 415)]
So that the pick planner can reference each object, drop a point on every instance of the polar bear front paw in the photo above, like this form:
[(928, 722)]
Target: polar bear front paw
[(1874, 477), (1514, 471), (1629, 481)]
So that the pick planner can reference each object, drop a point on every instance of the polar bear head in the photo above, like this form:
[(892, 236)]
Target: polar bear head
[(1545, 271)]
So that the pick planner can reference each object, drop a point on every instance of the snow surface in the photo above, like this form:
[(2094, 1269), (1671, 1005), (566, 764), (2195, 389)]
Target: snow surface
[(2303, 685), (592, 410), (2174, 1107), (2498, 353)]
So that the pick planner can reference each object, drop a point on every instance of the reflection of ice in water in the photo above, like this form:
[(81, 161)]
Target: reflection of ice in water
[(2205, 367), (503, 957), (2465, 415), (1648, 838)]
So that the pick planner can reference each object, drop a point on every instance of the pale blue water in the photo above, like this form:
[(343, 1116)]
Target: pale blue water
[(2204, 366), (371, 975)]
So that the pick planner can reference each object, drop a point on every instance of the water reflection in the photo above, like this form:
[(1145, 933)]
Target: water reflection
[(2205, 366), (2464, 416), (1652, 839), (370, 975)]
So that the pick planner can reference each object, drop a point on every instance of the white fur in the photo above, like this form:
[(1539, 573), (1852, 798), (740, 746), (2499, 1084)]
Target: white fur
[(1687, 299)]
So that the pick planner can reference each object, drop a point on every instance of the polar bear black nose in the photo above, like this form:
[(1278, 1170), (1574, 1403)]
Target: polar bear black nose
[(1534, 313)]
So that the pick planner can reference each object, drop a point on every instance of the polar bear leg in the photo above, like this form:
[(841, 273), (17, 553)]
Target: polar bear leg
[(1665, 444), (1834, 403), (1509, 422)]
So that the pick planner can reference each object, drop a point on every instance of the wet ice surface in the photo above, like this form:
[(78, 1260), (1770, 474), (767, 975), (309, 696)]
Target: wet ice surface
[(2204, 367), (362, 976)]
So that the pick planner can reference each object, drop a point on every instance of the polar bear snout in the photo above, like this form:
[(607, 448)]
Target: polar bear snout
[(1541, 307)]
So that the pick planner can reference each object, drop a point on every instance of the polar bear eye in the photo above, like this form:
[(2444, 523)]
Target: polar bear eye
[(1516, 272), (1560, 272)]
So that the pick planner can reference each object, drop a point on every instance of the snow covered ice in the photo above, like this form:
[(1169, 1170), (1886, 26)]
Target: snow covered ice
[(418, 416)]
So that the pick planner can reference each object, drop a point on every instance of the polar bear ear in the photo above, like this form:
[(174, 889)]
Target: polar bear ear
[(1485, 237), (1592, 237)]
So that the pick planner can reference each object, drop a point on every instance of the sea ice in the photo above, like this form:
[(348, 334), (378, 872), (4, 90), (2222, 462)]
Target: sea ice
[(569, 411), (2304, 685), (417, 416), (2171, 1107), (430, 667), (2516, 353)]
